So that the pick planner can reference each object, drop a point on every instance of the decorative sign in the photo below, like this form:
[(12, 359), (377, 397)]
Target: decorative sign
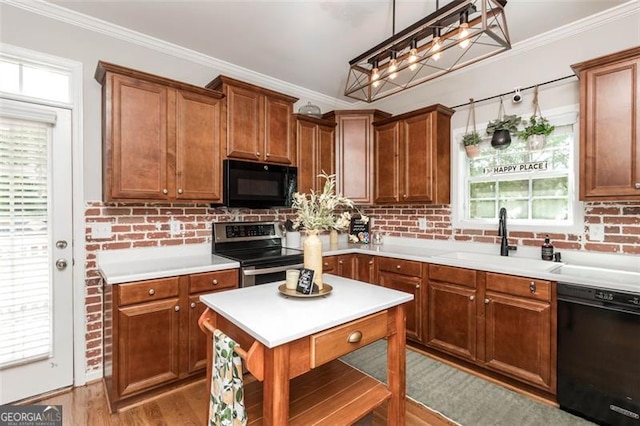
[(358, 231), (516, 168), (305, 282)]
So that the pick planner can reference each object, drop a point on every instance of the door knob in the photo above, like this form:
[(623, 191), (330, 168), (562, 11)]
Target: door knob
[(61, 264)]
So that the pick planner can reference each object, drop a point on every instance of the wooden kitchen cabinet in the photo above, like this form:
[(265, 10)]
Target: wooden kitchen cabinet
[(406, 275), (451, 323), (342, 265), (610, 126), (366, 268), (412, 157), (161, 138), (354, 152), (151, 334), (258, 122), (315, 144), (520, 329)]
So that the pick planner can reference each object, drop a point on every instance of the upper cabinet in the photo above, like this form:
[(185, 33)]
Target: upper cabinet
[(412, 157), (161, 138), (259, 122), (609, 126), (354, 152), (316, 151)]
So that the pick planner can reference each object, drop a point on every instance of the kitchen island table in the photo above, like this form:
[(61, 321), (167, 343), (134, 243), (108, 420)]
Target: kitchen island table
[(290, 344)]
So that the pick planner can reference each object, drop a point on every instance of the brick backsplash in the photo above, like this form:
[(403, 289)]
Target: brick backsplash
[(146, 225)]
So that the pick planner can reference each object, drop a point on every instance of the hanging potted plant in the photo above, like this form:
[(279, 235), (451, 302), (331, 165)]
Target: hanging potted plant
[(471, 138), (536, 131), (502, 127)]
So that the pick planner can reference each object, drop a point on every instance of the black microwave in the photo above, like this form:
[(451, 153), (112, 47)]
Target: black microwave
[(258, 185)]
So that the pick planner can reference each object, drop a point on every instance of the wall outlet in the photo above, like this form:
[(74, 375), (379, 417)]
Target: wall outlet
[(176, 227), (422, 223), (101, 230), (596, 232)]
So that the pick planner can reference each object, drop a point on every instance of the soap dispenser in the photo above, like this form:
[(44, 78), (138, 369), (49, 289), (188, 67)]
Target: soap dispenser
[(547, 249)]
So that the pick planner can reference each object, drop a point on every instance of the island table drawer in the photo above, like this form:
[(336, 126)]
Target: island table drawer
[(147, 291), (212, 281), (333, 343)]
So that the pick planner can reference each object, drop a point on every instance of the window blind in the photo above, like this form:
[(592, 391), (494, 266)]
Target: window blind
[(25, 282)]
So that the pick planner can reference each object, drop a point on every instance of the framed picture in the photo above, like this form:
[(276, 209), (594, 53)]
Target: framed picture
[(359, 231)]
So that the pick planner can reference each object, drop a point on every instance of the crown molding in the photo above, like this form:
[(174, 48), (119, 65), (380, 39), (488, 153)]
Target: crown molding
[(56, 12), (71, 17)]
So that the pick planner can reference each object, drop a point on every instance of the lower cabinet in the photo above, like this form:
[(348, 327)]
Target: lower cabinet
[(406, 275), (499, 322), (342, 265), (366, 268), (151, 334)]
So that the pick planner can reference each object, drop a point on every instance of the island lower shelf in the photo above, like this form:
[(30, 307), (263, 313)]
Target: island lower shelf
[(332, 394)]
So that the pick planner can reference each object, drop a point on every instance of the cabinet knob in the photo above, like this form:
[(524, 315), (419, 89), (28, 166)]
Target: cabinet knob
[(193, 305), (340, 262), (326, 264), (165, 191), (486, 301), (214, 282), (472, 297), (417, 286), (180, 190), (637, 185), (355, 337), (258, 154), (532, 287), (398, 266), (151, 292), (404, 195), (177, 308), (371, 262), (267, 154)]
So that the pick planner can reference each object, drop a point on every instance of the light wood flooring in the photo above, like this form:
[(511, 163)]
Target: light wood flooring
[(188, 405)]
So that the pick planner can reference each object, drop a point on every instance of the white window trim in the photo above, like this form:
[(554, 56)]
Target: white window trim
[(74, 68), (559, 116)]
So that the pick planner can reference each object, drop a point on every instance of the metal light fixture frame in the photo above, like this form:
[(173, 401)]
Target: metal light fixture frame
[(488, 35)]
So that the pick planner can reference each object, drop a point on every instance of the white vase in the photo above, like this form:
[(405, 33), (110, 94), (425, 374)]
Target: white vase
[(536, 142), (313, 256), (333, 239)]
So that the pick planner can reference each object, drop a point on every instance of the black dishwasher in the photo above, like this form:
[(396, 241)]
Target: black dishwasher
[(599, 354)]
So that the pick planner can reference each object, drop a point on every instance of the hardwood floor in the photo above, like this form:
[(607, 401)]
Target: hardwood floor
[(188, 405)]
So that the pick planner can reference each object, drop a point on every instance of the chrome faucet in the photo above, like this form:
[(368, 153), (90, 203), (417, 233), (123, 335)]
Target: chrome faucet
[(502, 232)]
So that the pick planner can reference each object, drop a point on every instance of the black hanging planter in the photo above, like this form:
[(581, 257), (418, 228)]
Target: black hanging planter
[(501, 139)]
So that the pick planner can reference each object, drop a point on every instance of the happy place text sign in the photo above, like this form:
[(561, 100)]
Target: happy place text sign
[(516, 168)]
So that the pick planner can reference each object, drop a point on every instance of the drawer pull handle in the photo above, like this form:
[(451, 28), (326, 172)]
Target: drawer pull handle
[(180, 191), (193, 305), (398, 266), (472, 297), (486, 301), (355, 337), (165, 191), (340, 262), (214, 282), (177, 308), (151, 292), (532, 287)]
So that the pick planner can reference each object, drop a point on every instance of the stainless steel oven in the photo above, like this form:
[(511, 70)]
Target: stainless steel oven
[(599, 354), (258, 248)]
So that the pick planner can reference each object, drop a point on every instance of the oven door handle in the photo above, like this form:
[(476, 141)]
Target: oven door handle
[(265, 271)]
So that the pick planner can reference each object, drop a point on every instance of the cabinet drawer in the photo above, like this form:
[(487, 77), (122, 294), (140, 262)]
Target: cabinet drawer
[(519, 286), (329, 264), (212, 281), (450, 274), (404, 267), (147, 291), (331, 344)]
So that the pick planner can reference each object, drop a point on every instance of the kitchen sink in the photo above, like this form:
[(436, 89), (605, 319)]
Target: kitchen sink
[(502, 261), (604, 275)]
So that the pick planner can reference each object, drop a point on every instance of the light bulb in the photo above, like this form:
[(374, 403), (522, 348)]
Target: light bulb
[(376, 83), (464, 33), (436, 49), (393, 75), (375, 74), (393, 66), (413, 55)]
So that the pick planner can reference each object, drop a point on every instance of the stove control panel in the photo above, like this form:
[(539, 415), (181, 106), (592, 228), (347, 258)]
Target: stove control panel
[(249, 230), (246, 232)]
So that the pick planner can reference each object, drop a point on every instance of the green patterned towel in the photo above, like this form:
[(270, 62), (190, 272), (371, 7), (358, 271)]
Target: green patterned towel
[(226, 406)]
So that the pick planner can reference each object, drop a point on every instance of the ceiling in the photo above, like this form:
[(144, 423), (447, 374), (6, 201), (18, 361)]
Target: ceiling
[(305, 43)]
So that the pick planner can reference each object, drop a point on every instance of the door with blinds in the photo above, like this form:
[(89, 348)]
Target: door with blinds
[(36, 311)]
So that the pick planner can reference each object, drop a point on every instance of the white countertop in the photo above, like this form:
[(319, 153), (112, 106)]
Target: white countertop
[(274, 319), (617, 272)]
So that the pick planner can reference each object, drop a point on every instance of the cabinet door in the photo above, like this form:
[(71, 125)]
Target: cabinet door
[(346, 266), (148, 345), (416, 163), (198, 161), (326, 153), (196, 339), (330, 265), (610, 124), (451, 326), (135, 150), (306, 136), (413, 286), (386, 162), (245, 123), (355, 158), (365, 268), (278, 146), (518, 338)]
